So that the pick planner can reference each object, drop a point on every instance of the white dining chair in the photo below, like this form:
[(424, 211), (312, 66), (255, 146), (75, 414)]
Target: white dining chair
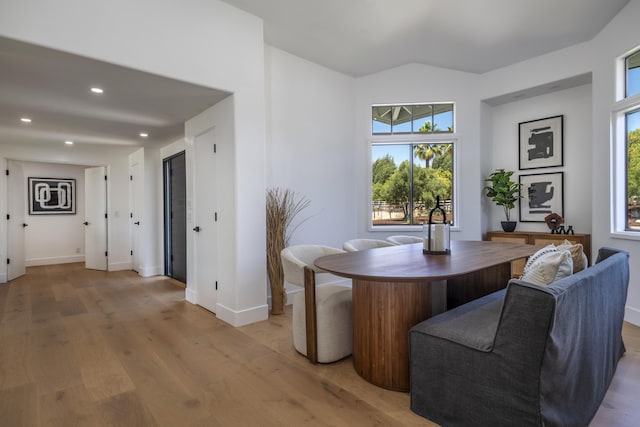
[(355, 245), (322, 315)]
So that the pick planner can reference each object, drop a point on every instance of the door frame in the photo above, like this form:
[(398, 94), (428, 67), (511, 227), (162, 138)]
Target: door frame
[(167, 208), (136, 180)]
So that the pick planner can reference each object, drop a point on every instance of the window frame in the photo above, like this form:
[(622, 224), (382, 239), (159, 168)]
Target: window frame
[(618, 149), (413, 132), (417, 138), (626, 71)]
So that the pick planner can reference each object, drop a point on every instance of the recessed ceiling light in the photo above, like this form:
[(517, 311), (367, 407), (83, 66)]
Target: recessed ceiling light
[(25, 119), (96, 90), (143, 134), (69, 142)]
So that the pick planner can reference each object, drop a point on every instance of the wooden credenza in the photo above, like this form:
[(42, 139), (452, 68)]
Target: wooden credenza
[(539, 240)]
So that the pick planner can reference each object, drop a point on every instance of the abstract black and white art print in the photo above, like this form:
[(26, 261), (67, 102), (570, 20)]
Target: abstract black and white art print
[(542, 194), (52, 196), (541, 143)]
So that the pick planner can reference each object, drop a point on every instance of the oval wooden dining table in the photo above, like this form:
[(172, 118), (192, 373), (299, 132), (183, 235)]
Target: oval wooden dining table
[(392, 292)]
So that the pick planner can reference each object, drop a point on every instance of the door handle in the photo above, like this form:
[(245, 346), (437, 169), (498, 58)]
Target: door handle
[(24, 225), (137, 223), (196, 229), (86, 223)]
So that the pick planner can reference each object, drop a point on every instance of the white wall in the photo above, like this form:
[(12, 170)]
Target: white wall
[(150, 213), (621, 35), (415, 83), (241, 295), (575, 105), (597, 57), (54, 239), (153, 217), (310, 148), (310, 142)]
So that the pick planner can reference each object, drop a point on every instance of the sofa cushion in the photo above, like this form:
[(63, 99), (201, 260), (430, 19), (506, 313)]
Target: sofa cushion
[(472, 324), (548, 267), (580, 261)]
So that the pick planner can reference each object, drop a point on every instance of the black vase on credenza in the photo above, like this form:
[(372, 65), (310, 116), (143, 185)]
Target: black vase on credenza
[(508, 226)]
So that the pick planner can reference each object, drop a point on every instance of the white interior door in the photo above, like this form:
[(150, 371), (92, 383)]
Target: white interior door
[(135, 203), (16, 210), (95, 235), (205, 230)]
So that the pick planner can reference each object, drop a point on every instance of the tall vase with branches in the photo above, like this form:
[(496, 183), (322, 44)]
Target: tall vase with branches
[(283, 206)]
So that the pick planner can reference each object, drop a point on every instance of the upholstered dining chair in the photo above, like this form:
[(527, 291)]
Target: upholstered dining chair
[(322, 315), (404, 240), (363, 244)]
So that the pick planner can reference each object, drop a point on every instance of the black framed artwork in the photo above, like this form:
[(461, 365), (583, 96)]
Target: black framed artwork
[(540, 143), (52, 196), (542, 194)]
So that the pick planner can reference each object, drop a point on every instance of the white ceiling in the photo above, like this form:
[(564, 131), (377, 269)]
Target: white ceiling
[(52, 88), (355, 37), (359, 37)]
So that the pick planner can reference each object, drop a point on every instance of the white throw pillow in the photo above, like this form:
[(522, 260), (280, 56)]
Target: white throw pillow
[(580, 261), (542, 251), (549, 267)]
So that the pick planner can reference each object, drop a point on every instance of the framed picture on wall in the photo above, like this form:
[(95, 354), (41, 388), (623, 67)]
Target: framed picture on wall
[(540, 143), (52, 196), (542, 194)]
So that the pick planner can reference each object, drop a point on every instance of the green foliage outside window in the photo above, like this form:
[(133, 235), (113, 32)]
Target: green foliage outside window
[(408, 191), (633, 179)]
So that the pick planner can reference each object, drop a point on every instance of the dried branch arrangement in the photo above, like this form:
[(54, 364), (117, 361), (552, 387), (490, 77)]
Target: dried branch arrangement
[(282, 208)]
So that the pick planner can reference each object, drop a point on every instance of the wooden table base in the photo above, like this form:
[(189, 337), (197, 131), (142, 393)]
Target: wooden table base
[(383, 313)]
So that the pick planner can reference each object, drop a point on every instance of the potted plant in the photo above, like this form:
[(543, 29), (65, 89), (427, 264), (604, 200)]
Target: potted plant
[(504, 192)]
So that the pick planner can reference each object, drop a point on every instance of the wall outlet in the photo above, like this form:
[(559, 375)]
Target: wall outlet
[(77, 250)]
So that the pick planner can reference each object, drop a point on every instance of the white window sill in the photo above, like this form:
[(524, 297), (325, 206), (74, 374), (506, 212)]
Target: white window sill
[(626, 235)]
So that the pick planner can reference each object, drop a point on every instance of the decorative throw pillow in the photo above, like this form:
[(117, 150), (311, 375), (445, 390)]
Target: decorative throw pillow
[(538, 254), (580, 261), (549, 267)]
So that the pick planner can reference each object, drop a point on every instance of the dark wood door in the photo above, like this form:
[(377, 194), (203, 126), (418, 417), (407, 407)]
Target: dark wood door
[(176, 217)]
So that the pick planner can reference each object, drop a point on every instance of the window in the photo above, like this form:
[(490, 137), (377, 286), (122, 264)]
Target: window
[(410, 118), (632, 125), (412, 163), (626, 151), (632, 78)]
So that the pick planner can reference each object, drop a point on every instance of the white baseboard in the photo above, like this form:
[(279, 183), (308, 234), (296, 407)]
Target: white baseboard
[(33, 262), (242, 317), (632, 315), (151, 271), (191, 296), (119, 266)]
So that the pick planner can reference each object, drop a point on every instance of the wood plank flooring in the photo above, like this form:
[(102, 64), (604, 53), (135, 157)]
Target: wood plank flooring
[(90, 348)]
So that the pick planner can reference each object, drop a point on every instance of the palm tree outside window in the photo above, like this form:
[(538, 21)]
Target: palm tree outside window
[(407, 176)]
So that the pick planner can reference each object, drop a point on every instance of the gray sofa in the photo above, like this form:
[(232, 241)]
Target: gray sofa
[(528, 355)]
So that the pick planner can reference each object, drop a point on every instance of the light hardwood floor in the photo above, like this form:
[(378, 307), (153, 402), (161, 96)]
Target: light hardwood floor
[(89, 348)]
